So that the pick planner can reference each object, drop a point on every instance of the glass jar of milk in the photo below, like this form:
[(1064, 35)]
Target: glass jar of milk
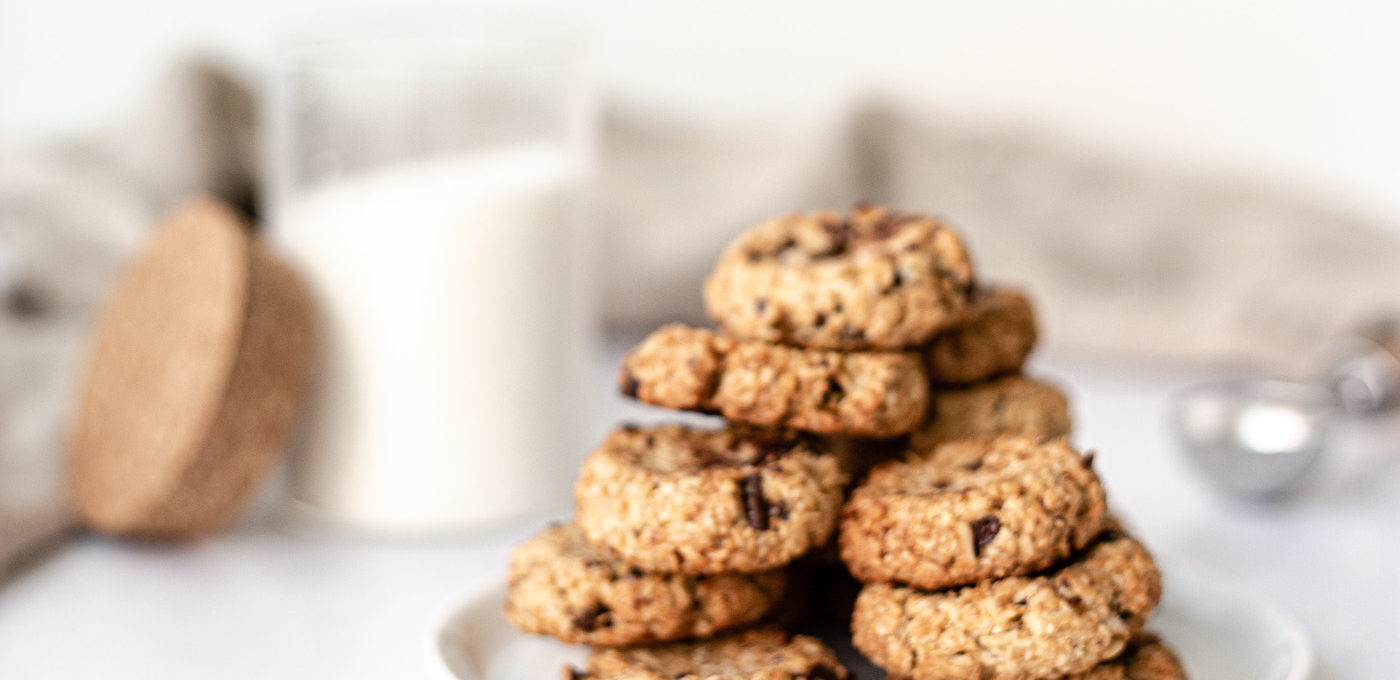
[(429, 187)]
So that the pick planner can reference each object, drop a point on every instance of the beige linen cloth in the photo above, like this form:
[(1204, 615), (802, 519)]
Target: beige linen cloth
[(1123, 257)]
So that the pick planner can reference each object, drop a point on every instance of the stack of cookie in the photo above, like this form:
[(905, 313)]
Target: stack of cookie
[(985, 547)]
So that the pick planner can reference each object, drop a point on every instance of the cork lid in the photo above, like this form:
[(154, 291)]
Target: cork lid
[(197, 364)]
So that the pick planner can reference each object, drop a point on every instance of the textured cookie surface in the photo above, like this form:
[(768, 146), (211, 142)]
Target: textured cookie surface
[(764, 654), (1057, 623), (561, 585), (870, 394), (1145, 658), (994, 335), (672, 498), (970, 510), (873, 278), (1010, 405)]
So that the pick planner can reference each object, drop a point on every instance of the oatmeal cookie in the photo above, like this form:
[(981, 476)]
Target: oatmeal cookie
[(673, 498), (871, 279), (1056, 623), (868, 394), (972, 510), (561, 585), (1146, 658), (994, 335), (763, 654), (1013, 404)]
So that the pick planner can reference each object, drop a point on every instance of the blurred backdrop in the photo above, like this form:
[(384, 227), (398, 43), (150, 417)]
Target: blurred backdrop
[(1195, 182)]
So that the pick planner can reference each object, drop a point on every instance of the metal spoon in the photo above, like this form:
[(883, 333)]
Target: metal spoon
[(1260, 437)]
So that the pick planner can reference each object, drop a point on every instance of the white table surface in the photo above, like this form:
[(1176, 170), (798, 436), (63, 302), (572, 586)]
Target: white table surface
[(269, 601)]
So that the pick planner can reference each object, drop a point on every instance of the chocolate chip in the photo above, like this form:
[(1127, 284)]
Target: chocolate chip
[(754, 255), (887, 226), (833, 395), (1089, 459), (822, 672), (945, 273), (573, 673), (630, 385), (819, 320), (840, 238), (755, 507), (771, 448), (1076, 602), (759, 305), (707, 458), (849, 334), (984, 529), (630, 428), (973, 466), (591, 619), (633, 572), (779, 510)]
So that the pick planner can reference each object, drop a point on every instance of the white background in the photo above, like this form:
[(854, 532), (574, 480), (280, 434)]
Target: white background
[(1302, 92)]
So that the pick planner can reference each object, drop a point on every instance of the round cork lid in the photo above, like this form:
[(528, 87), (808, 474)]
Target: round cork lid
[(196, 368)]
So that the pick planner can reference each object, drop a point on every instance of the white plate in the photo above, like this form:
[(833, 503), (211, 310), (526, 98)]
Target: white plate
[(1220, 631)]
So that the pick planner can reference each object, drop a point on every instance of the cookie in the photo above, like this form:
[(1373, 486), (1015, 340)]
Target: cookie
[(994, 335), (870, 279), (971, 510), (869, 394), (763, 654), (1056, 623), (672, 498), (1010, 405), (1145, 658), (561, 585)]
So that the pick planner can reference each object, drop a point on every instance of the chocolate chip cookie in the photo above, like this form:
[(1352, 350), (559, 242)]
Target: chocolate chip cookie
[(763, 654), (561, 585), (971, 510), (1056, 623), (870, 279), (1145, 658), (869, 394), (1010, 405), (677, 499), (994, 335)]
